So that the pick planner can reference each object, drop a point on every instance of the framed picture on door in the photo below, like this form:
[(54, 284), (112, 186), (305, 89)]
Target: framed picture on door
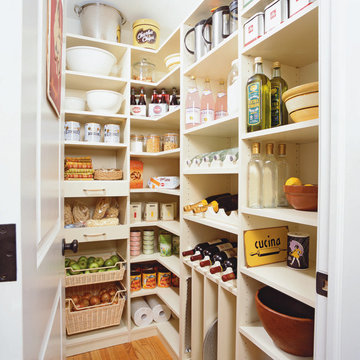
[(54, 54)]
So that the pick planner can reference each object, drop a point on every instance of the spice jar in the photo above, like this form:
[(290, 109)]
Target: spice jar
[(153, 143), (136, 143), (171, 141), (143, 71)]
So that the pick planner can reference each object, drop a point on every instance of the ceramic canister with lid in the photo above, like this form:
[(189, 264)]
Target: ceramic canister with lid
[(275, 14), (136, 143), (72, 131), (92, 132), (253, 28), (112, 133)]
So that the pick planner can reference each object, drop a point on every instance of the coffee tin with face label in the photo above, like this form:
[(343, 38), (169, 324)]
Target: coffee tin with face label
[(298, 250)]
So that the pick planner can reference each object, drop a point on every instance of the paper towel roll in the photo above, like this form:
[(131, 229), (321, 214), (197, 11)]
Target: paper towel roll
[(160, 311), (141, 312)]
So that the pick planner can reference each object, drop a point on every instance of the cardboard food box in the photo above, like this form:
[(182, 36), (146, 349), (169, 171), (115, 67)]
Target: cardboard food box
[(136, 174)]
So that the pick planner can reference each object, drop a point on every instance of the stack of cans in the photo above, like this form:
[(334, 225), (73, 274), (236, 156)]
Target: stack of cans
[(135, 243), (148, 242)]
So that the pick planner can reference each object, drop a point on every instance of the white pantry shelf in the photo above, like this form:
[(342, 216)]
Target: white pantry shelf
[(214, 171), (225, 127), (294, 42), (170, 333), (285, 214), (170, 120), (86, 116), (94, 145), (301, 133), (172, 262), (208, 65), (83, 81), (299, 284), (175, 153), (258, 335), (212, 223), (171, 226), (175, 192)]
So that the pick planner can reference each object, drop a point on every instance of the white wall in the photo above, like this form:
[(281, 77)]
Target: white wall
[(10, 118)]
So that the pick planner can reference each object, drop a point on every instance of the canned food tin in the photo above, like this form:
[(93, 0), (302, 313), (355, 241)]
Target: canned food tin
[(175, 245), (298, 250), (275, 13), (135, 233), (135, 252), (296, 5), (148, 251), (149, 232), (165, 244), (148, 242), (92, 132), (146, 33), (149, 279), (174, 281), (253, 28), (148, 246), (164, 278), (135, 281), (112, 133), (72, 131)]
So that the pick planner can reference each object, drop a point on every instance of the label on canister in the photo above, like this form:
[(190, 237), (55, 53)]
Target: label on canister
[(135, 281), (253, 28), (92, 132), (298, 250), (112, 133), (149, 280), (164, 279)]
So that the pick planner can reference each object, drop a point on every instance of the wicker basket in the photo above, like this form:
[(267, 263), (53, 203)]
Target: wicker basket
[(93, 317), (108, 174), (96, 277)]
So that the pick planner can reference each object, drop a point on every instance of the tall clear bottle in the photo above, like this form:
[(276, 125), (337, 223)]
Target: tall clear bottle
[(207, 104), (255, 167), (279, 115), (221, 102), (270, 178), (283, 174), (258, 97), (192, 105)]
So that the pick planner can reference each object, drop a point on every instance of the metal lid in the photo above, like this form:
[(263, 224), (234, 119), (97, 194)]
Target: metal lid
[(220, 8), (269, 149), (78, 10), (282, 149), (255, 148)]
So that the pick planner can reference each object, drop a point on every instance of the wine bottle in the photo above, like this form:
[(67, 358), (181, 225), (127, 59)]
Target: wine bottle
[(230, 276), (204, 202), (228, 203), (202, 246), (231, 262), (212, 250), (221, 256)]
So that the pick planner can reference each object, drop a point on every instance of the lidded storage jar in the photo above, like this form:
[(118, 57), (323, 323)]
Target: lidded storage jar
[(153, 143), (136, 143), (143, 71), (170, 141)]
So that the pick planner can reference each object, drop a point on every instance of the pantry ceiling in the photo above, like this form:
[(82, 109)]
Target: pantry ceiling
[(169, 13)]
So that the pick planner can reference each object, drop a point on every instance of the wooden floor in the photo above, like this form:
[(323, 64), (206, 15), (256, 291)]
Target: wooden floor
[(145, 349)]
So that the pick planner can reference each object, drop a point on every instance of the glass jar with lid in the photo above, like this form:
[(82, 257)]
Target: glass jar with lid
[(153, 143), (136, 143), (143, 71), (233, 89), (170, 141)]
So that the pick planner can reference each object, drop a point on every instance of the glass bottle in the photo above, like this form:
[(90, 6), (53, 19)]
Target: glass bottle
[(199, 248), (255, 166), (233, 89), (173, 104), (270, 178), (207, 104), (132, 98), (283, 174), (192, 105), (258, 93), (279, 115), (154, 97), (221, 102), (142, 100)]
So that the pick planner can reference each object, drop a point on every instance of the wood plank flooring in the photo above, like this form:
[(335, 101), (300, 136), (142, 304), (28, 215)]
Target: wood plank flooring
[(145, 349)]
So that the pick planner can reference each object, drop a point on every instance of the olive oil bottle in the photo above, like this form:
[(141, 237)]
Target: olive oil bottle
[(258, 92), (279, 115)]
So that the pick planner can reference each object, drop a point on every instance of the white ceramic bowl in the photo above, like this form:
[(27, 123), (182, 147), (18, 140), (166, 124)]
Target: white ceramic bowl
[(172, 60), (88, 59), (104, 101), (73, 103)]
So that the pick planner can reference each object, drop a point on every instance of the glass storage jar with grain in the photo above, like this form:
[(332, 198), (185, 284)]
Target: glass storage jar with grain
[(136, 143), (171, 141), (153, 143)]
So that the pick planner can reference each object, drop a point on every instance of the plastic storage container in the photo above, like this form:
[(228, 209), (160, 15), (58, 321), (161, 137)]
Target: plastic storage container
[(136, 143), (153, 143), (170, 141)]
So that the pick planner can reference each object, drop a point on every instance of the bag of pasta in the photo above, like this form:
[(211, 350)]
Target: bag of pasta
[(68, 216), (113, 210), (101, 207), (81, 213)]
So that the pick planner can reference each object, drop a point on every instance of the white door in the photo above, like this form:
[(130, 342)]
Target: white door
[(41, 264)]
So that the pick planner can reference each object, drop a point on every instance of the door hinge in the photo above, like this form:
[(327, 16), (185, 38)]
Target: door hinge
[(322, 284)]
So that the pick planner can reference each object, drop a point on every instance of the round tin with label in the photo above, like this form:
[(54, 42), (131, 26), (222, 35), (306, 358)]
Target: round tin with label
[(112, 133), (72, 131), (298, 250), (146, 33), (92, 132)]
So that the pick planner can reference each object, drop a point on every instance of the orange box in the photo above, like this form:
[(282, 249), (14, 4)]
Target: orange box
[(136, 174)]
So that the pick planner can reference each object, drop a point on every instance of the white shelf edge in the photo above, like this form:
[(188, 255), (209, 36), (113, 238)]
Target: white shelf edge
[(175, 192), (210, 171), (285, 214), (211, 124), (94, 144), (156, 154), (279, 28), (171, 226), (94, 114), (211, 223), (190, 68), (155, 118), (158, 83), (93, 76)]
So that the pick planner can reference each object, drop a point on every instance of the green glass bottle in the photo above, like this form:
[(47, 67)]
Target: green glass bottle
[(258, 99), (279, 115)]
